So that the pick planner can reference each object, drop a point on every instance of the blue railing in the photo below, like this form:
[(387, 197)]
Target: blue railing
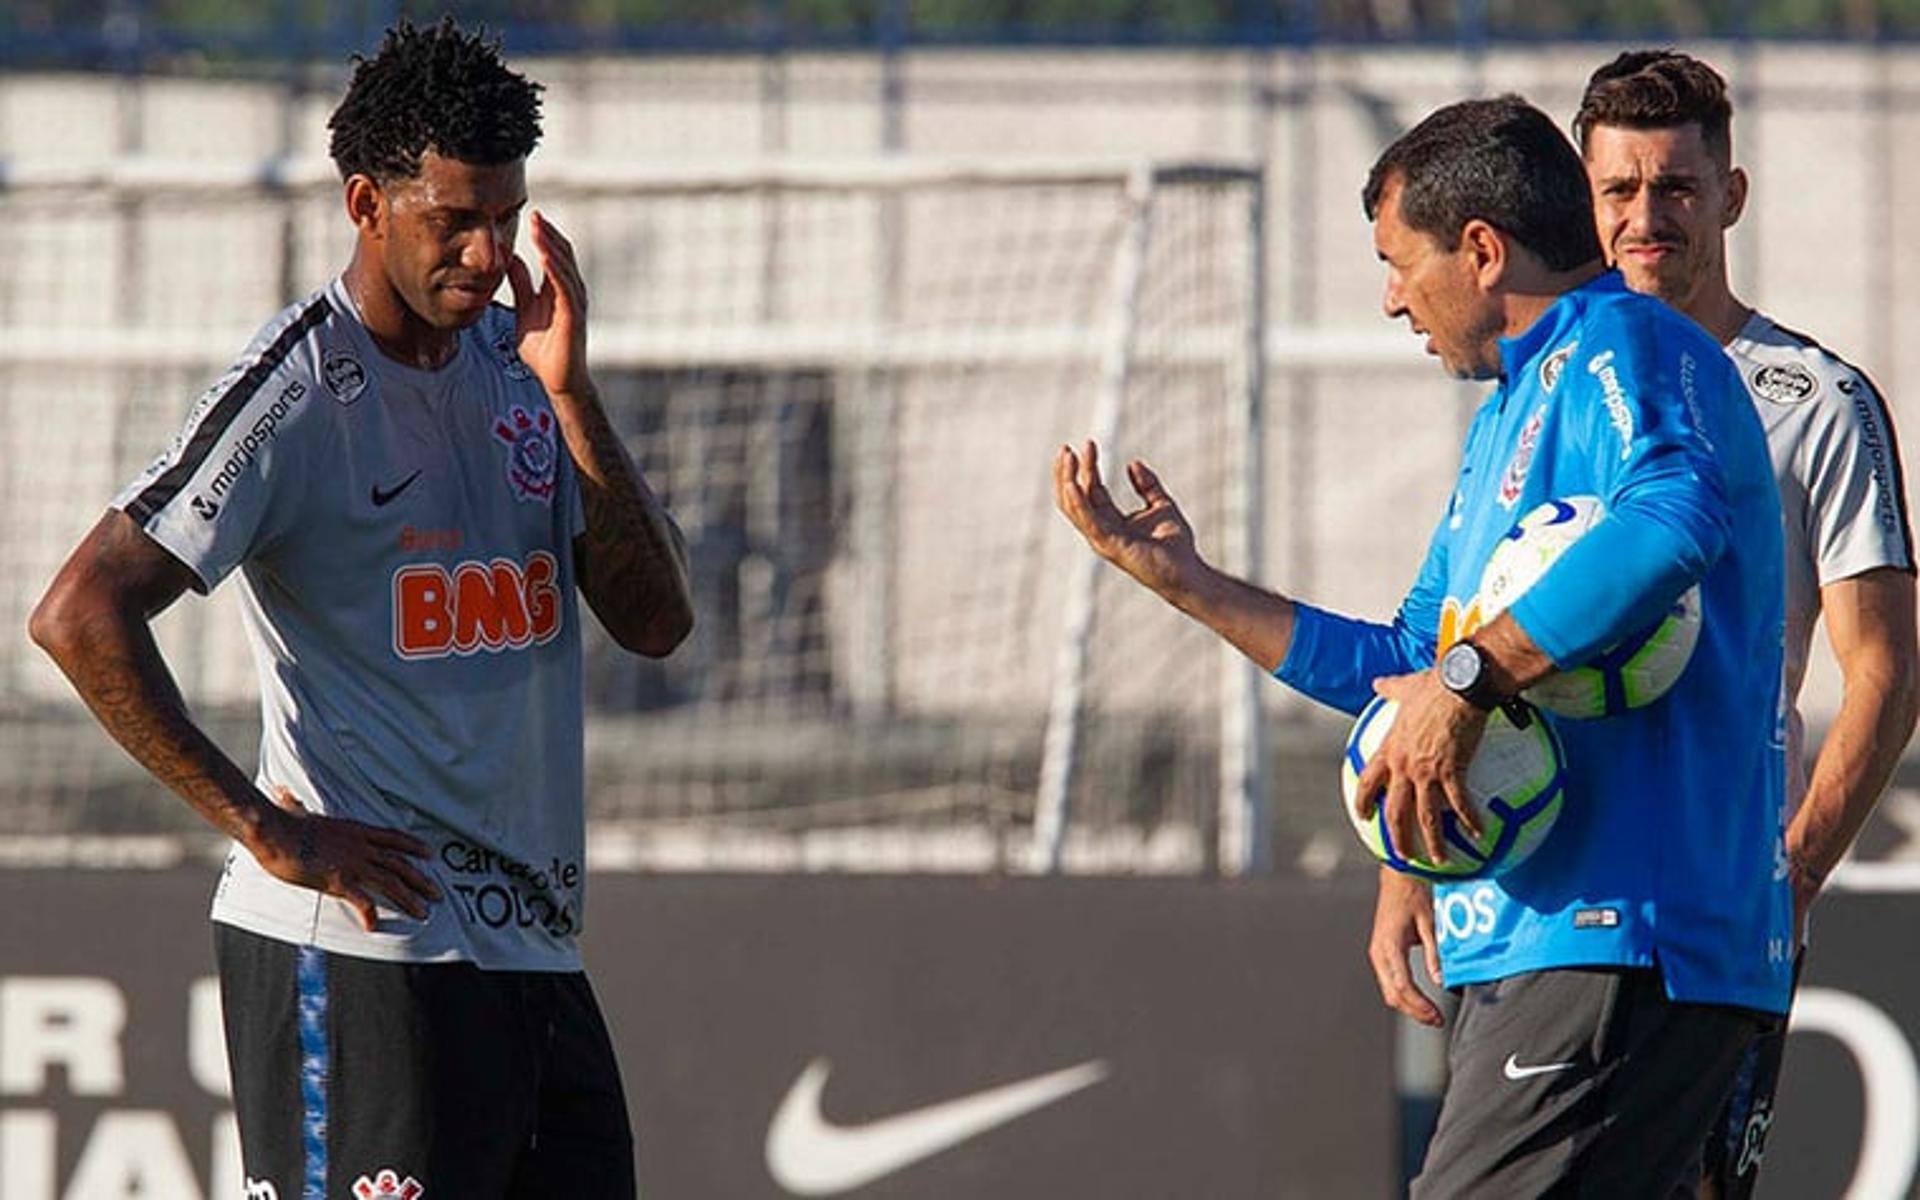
[(168, 34)]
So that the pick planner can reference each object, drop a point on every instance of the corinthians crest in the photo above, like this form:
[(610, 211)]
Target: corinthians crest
[(1555, 363), (532, 455), (387, 1185), (1515, 476)]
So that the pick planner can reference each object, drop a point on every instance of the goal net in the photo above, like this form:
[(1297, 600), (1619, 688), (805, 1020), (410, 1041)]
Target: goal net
[(848, 382)]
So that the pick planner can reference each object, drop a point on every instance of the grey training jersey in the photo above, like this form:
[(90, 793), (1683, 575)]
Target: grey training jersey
[(1841, 492), (404, 539)]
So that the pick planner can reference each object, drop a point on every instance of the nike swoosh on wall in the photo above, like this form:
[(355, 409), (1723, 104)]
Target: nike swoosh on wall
[(810, 1156)]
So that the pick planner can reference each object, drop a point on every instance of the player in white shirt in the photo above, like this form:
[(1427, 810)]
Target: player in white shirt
[(413, 482)]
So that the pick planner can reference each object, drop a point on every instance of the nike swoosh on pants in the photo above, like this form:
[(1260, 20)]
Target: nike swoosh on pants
[(1513, 1070)]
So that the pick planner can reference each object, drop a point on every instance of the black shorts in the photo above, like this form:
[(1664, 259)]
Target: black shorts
[(1581, 1082), (1739, 1136), (386, 1080)]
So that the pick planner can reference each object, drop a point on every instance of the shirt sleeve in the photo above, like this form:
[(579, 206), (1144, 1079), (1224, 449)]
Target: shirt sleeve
[(1856, 502), (1641, 412), (230, 480)]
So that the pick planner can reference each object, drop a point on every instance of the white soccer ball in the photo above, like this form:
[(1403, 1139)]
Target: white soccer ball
[(1634, 672), (1515, 783)]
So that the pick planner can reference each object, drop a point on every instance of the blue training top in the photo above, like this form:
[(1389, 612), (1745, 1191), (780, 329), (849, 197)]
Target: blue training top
[(1670, 847)]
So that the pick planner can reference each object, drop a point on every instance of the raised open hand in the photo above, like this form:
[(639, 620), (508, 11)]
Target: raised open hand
[(1153, 543)]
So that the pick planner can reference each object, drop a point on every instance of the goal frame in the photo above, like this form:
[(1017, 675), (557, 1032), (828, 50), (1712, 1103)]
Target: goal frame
[(1241, 795)]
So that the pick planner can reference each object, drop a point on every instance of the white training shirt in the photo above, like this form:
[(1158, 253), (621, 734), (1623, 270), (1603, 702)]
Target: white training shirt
[(1841, 492), (404, 539)]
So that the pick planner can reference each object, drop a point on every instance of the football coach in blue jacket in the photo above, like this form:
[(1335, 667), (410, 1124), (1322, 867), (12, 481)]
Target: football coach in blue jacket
[(1609, 983)]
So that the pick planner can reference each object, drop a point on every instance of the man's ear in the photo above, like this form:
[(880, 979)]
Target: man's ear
[(1486, 250), (366, 205), (1736, 198)]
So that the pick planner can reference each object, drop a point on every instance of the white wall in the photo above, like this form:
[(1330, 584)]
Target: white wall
[(1357, 459)]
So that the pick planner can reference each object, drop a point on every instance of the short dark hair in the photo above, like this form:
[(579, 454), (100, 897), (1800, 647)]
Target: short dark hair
[(1501, 161), (441, 89), (1659, 89)]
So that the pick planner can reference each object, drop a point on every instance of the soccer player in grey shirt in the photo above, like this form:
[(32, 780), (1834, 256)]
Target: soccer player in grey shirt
[(413, 482), (1655, 130)]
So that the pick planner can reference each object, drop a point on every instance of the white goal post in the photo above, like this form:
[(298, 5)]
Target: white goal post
[(848, 379)]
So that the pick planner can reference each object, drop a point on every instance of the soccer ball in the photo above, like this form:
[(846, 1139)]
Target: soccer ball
[(1632, 673), (1515, 783)]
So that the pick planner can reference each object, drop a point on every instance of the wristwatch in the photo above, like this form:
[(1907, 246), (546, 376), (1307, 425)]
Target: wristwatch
[(1465, 672)]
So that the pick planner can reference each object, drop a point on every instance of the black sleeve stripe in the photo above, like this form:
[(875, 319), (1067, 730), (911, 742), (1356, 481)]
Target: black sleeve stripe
[(1809, 342), (1896, 476), (1883, 416), (158, 494)]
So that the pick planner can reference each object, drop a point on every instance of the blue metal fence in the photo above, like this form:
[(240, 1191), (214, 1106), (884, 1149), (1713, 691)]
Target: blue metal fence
[(168, 35)]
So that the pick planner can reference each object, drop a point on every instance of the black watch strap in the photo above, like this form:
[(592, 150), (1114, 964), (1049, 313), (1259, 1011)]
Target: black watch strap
[(1467, 677), (1463, 670)]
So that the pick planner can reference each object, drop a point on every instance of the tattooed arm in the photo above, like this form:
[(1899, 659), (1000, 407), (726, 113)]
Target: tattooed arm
[(632, 559), (95, 623)]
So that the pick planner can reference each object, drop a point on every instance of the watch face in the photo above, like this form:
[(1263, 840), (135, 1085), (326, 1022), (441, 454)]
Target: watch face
[(1460, 666)]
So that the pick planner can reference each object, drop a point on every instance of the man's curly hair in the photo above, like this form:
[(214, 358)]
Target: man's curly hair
[(441, 89)]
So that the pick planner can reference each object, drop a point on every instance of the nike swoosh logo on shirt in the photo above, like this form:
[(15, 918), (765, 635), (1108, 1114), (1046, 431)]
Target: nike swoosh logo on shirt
[(810, 1156), (1513, 1069), (382, 496)]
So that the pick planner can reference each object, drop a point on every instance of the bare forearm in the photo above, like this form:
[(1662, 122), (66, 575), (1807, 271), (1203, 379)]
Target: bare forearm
[(114, 664), (1870, 623), (1257, 622), (1858, 758), (633, 566), (1516, 663)]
